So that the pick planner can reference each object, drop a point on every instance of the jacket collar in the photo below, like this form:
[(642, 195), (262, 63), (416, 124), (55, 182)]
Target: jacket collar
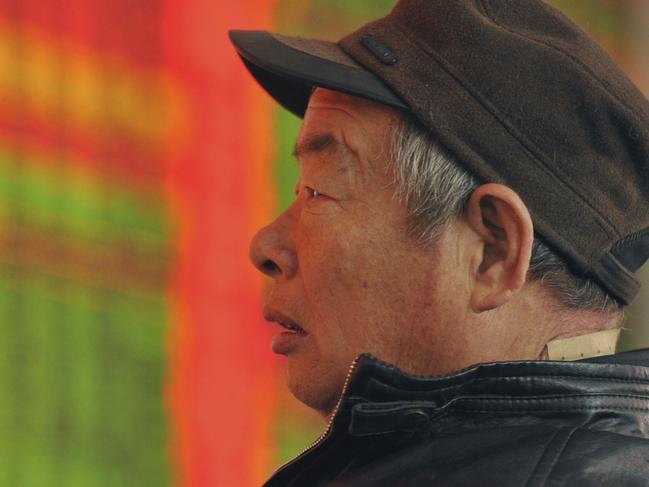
[(379, 398)]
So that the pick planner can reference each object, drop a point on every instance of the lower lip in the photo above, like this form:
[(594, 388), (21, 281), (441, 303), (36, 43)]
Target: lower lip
[(287, 341)]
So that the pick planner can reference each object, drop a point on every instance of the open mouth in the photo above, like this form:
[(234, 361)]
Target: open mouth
[(292, 327), (291, 338), (284, 321)]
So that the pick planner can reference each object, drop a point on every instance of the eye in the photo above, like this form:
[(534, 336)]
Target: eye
[(312, 197), (312, 193)]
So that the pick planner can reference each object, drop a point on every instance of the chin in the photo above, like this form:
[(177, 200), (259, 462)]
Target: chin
[(317, 388)]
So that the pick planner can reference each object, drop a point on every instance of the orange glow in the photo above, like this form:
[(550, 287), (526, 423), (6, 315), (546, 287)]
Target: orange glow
[(222, 381)]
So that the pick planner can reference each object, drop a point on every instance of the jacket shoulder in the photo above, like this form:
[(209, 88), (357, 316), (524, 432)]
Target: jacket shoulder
[(583, 456), (515, 457)]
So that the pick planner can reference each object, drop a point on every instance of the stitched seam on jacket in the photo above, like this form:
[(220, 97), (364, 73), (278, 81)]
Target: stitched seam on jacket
[(529, 379), (477, 369), (472, 379), (540, 404), (541, 473), (552, 397), (540, 460), (540, 376), (546, 410)]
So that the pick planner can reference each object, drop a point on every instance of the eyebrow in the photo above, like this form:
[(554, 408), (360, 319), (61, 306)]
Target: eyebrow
[(314, 144)]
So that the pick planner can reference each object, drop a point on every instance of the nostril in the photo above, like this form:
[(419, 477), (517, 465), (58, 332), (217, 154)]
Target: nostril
[(269, 267), (272, 250)]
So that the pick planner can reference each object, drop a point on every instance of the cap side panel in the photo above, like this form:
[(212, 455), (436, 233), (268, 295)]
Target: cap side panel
[(452, 113)]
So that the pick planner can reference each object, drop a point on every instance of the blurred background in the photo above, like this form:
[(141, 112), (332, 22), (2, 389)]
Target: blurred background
[(137, 157)]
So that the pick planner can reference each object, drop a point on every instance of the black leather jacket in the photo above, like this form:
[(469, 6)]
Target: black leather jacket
[(504, 424)]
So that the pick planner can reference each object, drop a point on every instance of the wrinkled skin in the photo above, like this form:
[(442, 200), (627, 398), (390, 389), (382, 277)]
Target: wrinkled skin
[(341, 263)]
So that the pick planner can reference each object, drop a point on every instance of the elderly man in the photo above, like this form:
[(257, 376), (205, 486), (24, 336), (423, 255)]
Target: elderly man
[(472, 203)]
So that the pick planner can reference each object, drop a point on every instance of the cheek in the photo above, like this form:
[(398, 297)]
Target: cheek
[(363, 284), (339, 262), (338, 274), (356, 285)]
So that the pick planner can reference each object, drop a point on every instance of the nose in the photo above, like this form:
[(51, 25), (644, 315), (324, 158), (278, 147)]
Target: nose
[(272, 249)]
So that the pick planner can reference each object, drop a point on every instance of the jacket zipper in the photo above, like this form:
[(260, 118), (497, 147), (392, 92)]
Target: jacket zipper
[(321, 438)]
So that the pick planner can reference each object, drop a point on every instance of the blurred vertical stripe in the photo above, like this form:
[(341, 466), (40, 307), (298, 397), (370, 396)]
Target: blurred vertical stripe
[(222, 384)]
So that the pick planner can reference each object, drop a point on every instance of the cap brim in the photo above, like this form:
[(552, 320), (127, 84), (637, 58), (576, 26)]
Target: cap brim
[(289, 67)]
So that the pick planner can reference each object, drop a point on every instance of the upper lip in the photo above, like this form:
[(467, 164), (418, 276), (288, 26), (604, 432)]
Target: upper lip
[(276, 316)]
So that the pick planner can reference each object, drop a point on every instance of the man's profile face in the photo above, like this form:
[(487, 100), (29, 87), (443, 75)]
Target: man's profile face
[(341, 263)]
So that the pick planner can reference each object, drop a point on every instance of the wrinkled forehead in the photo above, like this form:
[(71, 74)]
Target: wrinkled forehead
[(350, 119), (352, 129), (354, 106)]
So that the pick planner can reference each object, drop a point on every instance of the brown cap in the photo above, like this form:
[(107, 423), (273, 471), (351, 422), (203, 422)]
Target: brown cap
[(518, 93)]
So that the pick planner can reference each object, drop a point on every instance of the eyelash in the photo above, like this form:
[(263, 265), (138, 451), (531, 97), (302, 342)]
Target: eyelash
[(312, 193)]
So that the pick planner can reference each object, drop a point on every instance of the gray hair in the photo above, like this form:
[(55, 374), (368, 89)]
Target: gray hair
[(437, 189)]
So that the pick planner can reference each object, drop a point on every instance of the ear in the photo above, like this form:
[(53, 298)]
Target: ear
[(502, 222)]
